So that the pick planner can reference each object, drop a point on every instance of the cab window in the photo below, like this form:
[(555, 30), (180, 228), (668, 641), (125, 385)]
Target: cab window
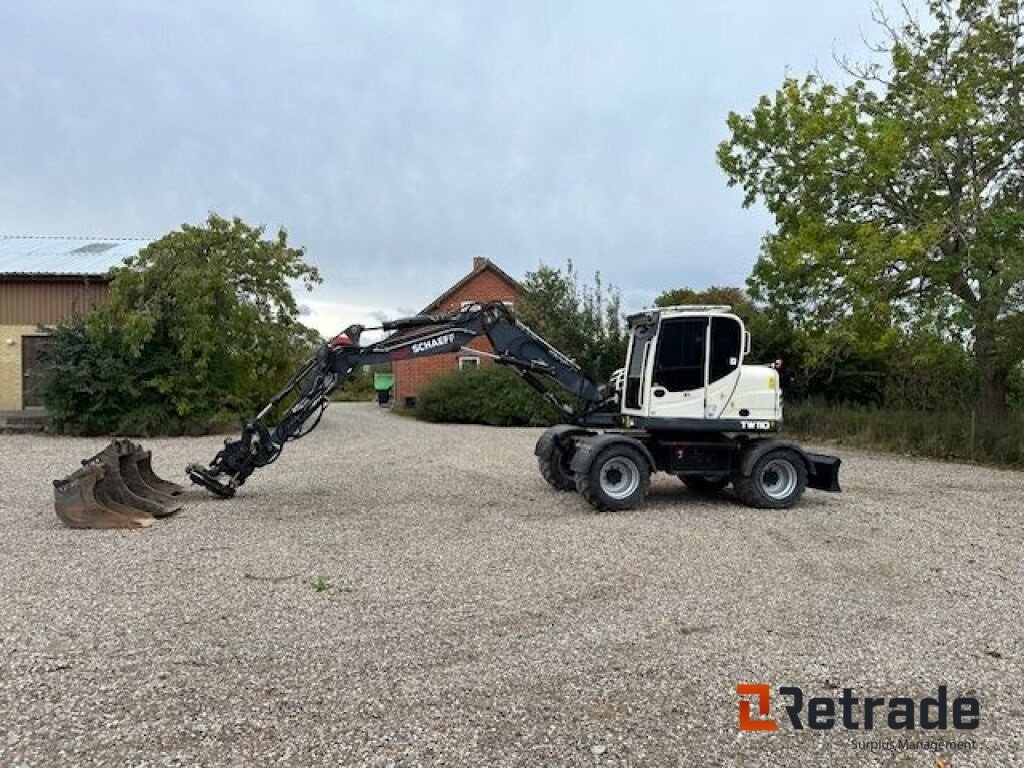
[(726, 346), (635, 374), (679, 365)]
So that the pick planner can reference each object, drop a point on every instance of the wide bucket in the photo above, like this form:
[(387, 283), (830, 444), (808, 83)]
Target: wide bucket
[(80, 501)]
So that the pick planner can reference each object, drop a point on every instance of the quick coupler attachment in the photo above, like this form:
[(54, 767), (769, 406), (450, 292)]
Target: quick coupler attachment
[(209, 480)]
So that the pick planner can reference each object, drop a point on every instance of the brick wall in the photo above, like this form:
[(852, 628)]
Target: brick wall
[(412, 375)]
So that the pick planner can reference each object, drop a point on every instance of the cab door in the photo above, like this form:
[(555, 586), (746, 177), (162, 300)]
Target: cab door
[(725, 356), (636, 389), (678, 369)]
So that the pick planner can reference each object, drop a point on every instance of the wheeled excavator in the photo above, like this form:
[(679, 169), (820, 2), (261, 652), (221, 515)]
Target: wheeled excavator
[(684, 403)]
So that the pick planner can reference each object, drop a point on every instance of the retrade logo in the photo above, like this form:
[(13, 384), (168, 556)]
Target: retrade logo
[(822, 713)]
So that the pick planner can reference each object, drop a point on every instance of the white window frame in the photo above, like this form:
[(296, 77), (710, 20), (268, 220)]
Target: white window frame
[(464, 362)]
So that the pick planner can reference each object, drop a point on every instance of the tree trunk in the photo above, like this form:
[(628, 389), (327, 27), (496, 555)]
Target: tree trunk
[(992, 377)]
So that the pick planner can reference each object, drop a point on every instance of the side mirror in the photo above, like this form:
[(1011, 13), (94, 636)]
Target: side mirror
[(746, 343)]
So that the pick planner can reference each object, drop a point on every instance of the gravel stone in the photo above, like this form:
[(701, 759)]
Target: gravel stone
[(398, 593)]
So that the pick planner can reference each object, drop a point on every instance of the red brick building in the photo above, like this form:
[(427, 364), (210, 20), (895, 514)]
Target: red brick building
[(485, 283)]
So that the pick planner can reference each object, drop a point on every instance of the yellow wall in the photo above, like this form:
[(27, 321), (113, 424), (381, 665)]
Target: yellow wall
[(10, 364)]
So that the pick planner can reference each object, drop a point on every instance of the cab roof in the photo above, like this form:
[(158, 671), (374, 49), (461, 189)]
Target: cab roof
[(678, 310)]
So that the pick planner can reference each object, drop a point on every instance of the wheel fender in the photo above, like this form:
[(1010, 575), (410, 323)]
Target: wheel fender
[(761, 447), (588, 449), (555, 435)]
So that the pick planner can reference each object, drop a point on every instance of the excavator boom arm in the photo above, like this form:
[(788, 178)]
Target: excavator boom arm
[(515, 345)]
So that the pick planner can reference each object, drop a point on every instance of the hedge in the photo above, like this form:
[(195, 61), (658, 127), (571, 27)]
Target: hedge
[(490, 394), (955, 435)]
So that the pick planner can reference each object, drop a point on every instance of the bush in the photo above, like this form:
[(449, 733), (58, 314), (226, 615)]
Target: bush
[(953, 435), (489, 394), (201, 329)]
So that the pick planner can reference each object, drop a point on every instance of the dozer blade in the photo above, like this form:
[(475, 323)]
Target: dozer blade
[(123, 484), (77, 504)]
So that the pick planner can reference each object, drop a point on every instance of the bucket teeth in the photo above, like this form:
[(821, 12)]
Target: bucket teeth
[(78, 501)]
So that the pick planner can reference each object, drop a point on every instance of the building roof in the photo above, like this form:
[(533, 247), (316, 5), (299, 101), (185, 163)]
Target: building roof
[(30, 257), (480, 265)]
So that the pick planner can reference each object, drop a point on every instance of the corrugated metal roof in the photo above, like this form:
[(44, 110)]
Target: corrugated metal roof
[(66, 255)]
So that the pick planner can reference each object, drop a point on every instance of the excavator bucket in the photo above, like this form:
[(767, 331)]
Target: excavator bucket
[(144, 462), (80, 502), (123, 482)]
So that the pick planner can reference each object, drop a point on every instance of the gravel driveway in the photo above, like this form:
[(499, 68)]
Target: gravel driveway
[(398, 593)]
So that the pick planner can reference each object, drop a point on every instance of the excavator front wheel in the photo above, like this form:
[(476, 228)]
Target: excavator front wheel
[(618, 478)]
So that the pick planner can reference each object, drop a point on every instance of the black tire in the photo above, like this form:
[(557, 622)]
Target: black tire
[(705, 483), (777, 481), (618, 478), (555, 469)]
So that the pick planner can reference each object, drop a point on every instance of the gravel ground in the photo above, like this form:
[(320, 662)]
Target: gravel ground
[(397, 593)]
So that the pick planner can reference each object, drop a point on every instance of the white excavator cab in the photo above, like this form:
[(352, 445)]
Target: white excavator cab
[(685, 369)]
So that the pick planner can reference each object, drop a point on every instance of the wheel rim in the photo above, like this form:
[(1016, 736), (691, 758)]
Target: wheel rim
[(779, 479), (620, 477)]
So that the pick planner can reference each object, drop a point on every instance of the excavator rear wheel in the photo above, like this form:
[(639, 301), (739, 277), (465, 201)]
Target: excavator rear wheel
[(617, 478), (555, 469)]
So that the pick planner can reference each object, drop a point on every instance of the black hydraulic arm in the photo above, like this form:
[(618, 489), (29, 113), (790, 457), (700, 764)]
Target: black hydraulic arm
[(515, 345)]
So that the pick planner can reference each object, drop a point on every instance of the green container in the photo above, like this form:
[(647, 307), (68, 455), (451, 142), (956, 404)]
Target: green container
[(382, 382)]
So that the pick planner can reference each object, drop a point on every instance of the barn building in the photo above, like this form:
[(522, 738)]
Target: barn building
[(44, 281), (486, 282)]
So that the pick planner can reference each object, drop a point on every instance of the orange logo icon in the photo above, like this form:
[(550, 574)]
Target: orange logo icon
[(763, 694)]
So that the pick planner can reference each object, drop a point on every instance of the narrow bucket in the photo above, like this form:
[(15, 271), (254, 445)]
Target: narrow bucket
[(132, 478), (144, 462)]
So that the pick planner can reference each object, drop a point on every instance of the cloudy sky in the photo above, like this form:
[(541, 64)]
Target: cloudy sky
[(397, 140)]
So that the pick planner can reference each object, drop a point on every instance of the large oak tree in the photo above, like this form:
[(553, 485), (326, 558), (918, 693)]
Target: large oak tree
[(899, 196)]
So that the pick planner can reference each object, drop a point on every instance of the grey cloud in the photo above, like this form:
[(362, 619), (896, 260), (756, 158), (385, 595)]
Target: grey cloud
[(397, 140)]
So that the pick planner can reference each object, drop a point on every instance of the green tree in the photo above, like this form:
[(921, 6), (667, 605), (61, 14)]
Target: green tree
[(724, 295), (583, 321), (899, 198), (844, 370), (201, 327)]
